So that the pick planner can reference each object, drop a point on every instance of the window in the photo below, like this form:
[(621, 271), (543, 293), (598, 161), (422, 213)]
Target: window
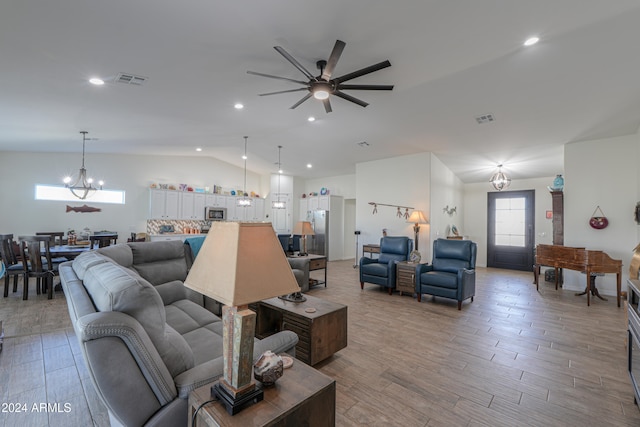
[(510, 222), (61, 193)]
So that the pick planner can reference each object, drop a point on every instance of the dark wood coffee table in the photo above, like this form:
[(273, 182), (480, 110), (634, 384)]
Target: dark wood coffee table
[(320, 333), (303, 396)]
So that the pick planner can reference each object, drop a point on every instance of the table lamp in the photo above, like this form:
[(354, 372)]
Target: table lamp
[(417, 218), (240, 263), (304, 229)]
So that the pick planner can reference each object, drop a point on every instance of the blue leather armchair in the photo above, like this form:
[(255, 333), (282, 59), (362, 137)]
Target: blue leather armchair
[(382, 271), (452, 272)]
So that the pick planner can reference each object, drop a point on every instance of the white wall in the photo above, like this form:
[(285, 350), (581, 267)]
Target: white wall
[(400, 180), (601, 173), (446, 190), (475, 213), (22, 214)]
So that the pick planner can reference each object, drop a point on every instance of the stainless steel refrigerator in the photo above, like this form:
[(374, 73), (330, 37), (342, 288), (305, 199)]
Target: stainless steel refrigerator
[(319, 243)]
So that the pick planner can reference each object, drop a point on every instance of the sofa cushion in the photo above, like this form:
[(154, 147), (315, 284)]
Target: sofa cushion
[(449, 265), (165, 263), (119, 253), (201, 329), (85, 261), (441, 279), (114, 288), (375, 269)]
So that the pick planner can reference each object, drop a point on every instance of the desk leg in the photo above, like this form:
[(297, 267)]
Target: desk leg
[(618, 290), (325, 276)]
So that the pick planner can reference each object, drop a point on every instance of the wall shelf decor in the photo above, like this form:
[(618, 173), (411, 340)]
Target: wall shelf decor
[(449, 211), (399, 208)]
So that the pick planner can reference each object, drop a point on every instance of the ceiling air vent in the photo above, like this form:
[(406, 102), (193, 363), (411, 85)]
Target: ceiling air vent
[(130, 79), (485, 118)]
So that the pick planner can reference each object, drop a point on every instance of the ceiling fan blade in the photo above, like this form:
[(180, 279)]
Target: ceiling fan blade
[(307, 96), (276, 77), (327, 105), (282, 91), (363, 71), (350, 98), (365, 87), (295, 63), (333, 60)]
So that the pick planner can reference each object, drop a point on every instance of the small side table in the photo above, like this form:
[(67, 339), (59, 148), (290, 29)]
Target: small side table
[(406, 276), (371, 249), (303, 396)]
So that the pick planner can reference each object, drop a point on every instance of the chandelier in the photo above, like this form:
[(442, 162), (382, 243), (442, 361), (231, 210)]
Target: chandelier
[(244, 201), (82, 186), (278, 204), (500, 180)]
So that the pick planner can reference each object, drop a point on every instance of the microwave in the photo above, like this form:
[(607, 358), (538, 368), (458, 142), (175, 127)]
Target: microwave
[(212, 213)]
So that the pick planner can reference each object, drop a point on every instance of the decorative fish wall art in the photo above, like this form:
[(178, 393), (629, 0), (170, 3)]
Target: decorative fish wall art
[(82, 209)]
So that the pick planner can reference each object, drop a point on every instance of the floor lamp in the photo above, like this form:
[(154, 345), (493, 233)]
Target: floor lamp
[(240, 263)]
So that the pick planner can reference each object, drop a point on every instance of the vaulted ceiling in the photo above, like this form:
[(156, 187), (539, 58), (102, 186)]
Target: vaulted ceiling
[(452, 60)]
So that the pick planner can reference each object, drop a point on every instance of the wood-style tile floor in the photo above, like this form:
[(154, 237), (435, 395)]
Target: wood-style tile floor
[(513, 357)]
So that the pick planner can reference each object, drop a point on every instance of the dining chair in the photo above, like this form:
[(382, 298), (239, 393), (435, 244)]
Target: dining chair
[(12, 264), (57, 237), (103, 240), (37, 263)]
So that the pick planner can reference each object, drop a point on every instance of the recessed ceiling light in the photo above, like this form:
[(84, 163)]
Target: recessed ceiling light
[(311, 119), (309, 166), (238, 106), (198, 149), (96, 81), (531, 41)]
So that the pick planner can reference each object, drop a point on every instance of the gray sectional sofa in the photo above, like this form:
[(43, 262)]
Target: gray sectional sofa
[(147, 340)]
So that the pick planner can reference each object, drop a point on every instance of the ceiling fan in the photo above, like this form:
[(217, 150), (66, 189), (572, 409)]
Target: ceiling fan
[(322, 86)]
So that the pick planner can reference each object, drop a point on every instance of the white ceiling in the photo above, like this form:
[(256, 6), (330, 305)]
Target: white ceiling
[(451, 61)]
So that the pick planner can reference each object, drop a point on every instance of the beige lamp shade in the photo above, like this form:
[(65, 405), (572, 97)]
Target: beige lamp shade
[(240, 263), (303, 228), (417, 217)]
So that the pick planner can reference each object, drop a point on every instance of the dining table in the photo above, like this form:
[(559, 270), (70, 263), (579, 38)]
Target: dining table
[(70, 251)]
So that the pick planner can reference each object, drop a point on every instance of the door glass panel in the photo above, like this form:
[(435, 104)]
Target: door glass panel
[(510, 222)]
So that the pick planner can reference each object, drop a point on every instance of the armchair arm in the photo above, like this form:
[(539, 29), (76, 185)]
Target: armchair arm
[(301, 263), (100, 325), (367, 260), (467, 280), (211, 370)]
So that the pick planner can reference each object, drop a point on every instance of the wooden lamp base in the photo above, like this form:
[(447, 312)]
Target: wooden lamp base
[(234, 404)]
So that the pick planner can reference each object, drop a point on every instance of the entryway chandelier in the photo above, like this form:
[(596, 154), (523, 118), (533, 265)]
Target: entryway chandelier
[(500, 180), (82, 186), (278, 204)]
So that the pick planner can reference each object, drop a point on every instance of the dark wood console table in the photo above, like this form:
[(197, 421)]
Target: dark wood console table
[(321, 332)]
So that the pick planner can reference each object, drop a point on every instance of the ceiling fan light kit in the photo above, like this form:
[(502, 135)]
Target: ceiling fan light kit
[(321, 87)]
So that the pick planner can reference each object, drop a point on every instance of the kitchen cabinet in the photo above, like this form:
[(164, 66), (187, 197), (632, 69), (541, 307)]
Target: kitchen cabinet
[(192, 206), (315, 203), (164, 204), (215, 200)]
